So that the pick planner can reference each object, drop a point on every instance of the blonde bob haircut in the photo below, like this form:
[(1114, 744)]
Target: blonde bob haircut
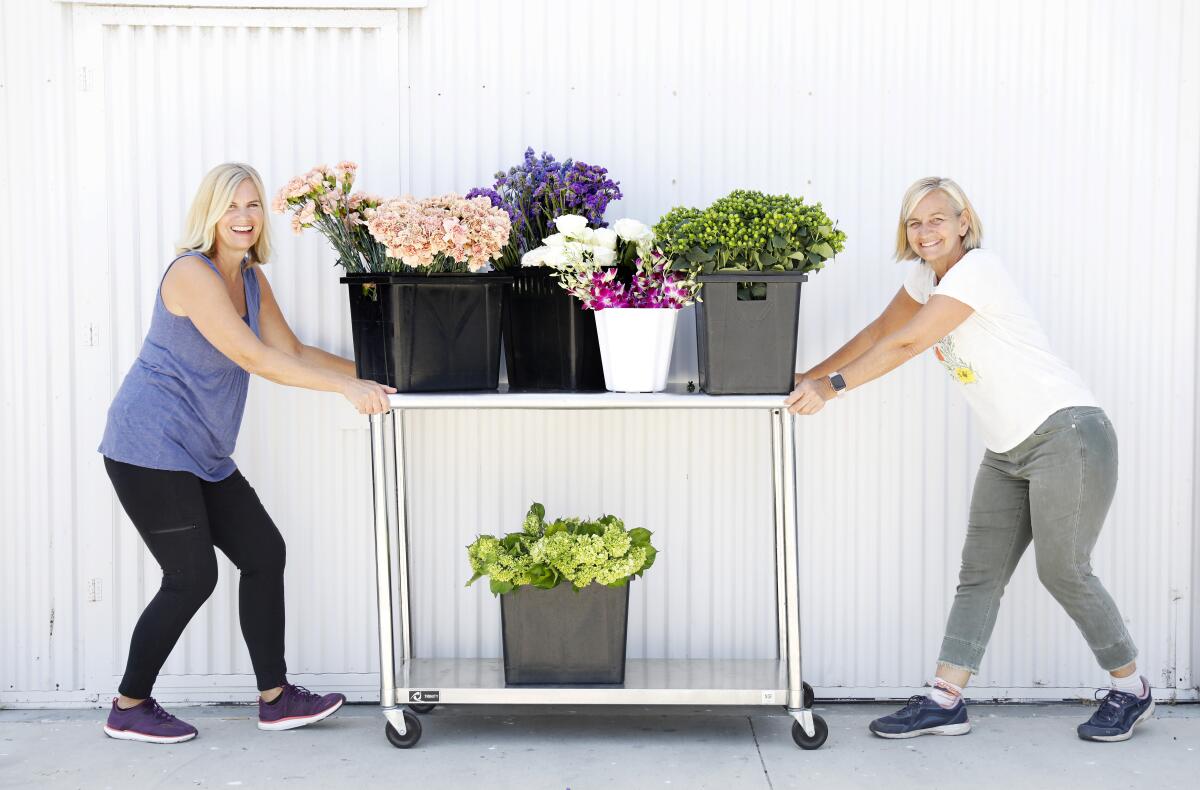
[(958, 199), (211, 201)]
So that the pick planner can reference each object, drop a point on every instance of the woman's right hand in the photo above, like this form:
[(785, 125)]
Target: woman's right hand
[(369, 397)]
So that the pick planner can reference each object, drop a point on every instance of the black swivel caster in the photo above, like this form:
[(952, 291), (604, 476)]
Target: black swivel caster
[(820, 733), (408, 739), (417, 707)]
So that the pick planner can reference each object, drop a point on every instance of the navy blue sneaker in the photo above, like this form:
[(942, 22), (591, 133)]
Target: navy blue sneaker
[(923, 716), (1114, 720)]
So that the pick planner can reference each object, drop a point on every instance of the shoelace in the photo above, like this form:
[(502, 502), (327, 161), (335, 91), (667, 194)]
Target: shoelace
[(914, 703), (158, 711), (304, 693), (1111, 704)]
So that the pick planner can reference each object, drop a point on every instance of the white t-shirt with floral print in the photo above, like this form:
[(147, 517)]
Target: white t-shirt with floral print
[(999, 356)]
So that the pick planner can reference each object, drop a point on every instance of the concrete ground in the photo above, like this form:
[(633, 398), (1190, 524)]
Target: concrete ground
[(1015, 747)]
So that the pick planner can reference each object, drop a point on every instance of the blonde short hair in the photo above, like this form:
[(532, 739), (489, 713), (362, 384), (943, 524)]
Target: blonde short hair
[(958, 199), (212, 199)]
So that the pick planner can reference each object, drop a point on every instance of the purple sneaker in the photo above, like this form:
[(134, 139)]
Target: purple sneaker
[(295, 707), (147, 722)]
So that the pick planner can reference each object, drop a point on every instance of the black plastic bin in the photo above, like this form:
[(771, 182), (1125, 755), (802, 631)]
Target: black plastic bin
[(432, 333), (748, 346), (562, 637), (550, 341)]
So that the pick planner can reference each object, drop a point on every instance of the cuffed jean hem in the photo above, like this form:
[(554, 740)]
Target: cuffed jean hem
[(961, 654), (1116, 656)]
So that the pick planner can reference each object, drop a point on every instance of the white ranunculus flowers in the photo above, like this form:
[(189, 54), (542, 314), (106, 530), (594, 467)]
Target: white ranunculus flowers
[(535, 257), (577, 247), (632, 230), (571, 224), (603, 256), (604, 237)]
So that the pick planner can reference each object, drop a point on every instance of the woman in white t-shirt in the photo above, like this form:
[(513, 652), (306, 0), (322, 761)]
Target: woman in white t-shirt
[(1049, 472)]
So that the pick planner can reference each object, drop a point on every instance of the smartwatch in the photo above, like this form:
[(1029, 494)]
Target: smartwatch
[(838, 383)]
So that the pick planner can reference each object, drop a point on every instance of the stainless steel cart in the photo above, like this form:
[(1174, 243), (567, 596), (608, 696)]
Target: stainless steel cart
[(422, 683)]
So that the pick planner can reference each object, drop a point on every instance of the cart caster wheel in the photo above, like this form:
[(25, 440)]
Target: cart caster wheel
[(818, 738), (808, 696), (408, 739), (416, 707)]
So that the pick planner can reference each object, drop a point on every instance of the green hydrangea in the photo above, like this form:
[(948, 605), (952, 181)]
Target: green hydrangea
[(572, 550)]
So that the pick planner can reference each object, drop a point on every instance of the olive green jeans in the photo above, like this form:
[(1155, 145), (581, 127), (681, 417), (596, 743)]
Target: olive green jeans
[(1054, 488)]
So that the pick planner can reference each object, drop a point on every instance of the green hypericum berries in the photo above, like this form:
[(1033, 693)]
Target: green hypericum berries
[(738, 229)]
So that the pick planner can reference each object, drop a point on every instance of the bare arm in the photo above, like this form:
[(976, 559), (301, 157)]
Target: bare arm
[(898, 312), (932, 322), (195, 291), (277, 334)]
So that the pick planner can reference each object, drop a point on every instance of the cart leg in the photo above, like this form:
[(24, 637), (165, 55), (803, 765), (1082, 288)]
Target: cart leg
[(781, 608), (397, 499), (381, 426), (785, 428)]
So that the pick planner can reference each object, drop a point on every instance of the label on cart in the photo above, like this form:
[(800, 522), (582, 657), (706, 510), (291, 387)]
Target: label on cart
[(768, 698), (424, 696)]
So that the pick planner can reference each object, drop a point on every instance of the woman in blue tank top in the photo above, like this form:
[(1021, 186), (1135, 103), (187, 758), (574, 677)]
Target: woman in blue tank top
[(171, 430)]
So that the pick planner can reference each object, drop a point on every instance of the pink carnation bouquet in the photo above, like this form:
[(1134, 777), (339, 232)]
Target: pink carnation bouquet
[(322, 199), (440, 234)]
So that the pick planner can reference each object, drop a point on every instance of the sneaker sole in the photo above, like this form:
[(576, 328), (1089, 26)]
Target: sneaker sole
[(133, 735), (292, 722), (1125, 735), (949, 729)]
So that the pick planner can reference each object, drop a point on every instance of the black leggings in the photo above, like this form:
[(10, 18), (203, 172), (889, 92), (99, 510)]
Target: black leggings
[(182, 518)]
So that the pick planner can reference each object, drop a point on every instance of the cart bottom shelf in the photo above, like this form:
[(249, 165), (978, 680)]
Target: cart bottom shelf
[(647, 682)]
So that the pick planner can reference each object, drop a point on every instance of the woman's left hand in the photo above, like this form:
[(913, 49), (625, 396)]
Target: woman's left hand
[(807, 398)]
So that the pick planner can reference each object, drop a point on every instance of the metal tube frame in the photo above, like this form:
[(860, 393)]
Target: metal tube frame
[(390, 510), (385, 490)]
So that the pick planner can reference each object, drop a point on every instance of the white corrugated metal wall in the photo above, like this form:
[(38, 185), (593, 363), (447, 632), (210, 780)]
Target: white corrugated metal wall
[(1074, 126)]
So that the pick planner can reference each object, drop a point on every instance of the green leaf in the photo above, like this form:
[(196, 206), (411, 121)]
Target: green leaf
[(557, 526), (537, 509), (474, 579), (499, 588), (542, 576), (651, 554), (619, 582), (798, 255), (640, 536), (699, 255), (823, 249)]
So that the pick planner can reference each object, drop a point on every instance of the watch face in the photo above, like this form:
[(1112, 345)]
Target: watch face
[(838, 382)]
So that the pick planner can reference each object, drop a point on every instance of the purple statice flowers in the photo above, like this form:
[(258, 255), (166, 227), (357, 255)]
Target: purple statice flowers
[(541, 188)]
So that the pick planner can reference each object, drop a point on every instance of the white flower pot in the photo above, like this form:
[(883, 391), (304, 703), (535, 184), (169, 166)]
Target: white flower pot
[(635, 347)]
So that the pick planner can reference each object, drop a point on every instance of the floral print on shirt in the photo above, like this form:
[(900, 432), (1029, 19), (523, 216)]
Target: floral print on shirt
[(959, 368)]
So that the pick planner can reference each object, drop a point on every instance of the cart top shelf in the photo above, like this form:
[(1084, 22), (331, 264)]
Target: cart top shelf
[(675, 397)]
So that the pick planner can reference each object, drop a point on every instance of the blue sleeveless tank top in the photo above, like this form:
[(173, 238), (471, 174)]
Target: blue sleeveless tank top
[(180, 406)]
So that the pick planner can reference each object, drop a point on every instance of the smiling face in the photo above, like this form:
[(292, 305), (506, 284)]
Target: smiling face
[(935, 229), (241, 225)]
